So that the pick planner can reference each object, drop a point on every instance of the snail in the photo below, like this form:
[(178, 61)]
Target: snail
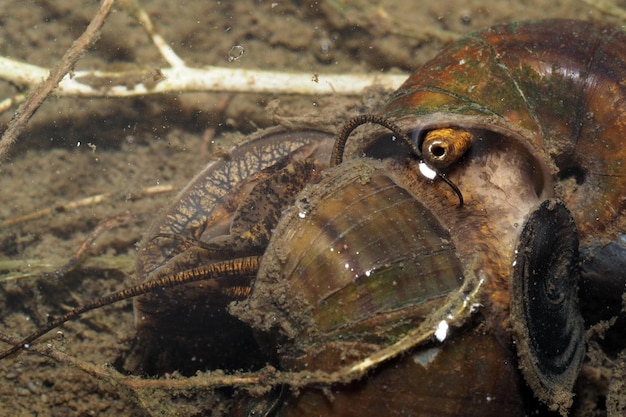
[(517, 118), (414, 275)]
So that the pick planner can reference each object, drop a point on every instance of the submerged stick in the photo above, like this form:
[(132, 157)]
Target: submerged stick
[(73, 54), (92, 83)]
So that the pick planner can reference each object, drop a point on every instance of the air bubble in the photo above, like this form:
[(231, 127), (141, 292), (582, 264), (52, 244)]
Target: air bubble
[(235, 53)]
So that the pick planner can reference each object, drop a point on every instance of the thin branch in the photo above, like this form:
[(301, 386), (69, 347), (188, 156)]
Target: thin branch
[(90, 83), (83, 202), (32, 268), (134, 9), (81, 254), (39, 94), (7, 103)]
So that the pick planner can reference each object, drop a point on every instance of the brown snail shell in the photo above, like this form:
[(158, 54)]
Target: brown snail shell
[(346, 276)]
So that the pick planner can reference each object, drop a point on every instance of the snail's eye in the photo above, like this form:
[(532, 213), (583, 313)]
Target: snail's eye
[(443, 147)]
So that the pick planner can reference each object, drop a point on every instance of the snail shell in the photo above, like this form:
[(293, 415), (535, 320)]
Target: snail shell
[(330, 256)]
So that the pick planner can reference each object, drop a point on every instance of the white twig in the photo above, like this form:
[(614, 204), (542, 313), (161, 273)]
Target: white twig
[(186, 79), (7, 103), (43, 89), (134, 9)]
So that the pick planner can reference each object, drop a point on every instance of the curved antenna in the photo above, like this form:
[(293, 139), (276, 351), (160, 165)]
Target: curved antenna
[(221, 272), (336, 156), (452, 185)]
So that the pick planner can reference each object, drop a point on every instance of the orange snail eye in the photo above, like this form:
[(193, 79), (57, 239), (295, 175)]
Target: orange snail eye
[(443, 147)]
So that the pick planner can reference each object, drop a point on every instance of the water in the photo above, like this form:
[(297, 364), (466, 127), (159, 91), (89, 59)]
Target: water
[(84, 160)]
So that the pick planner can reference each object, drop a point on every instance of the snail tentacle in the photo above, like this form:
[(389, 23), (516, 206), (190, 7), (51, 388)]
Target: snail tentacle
[(337, 154)]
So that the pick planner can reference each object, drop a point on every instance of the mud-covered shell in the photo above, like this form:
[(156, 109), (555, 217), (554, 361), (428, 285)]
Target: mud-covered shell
[(356, 255), (555, 85)]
